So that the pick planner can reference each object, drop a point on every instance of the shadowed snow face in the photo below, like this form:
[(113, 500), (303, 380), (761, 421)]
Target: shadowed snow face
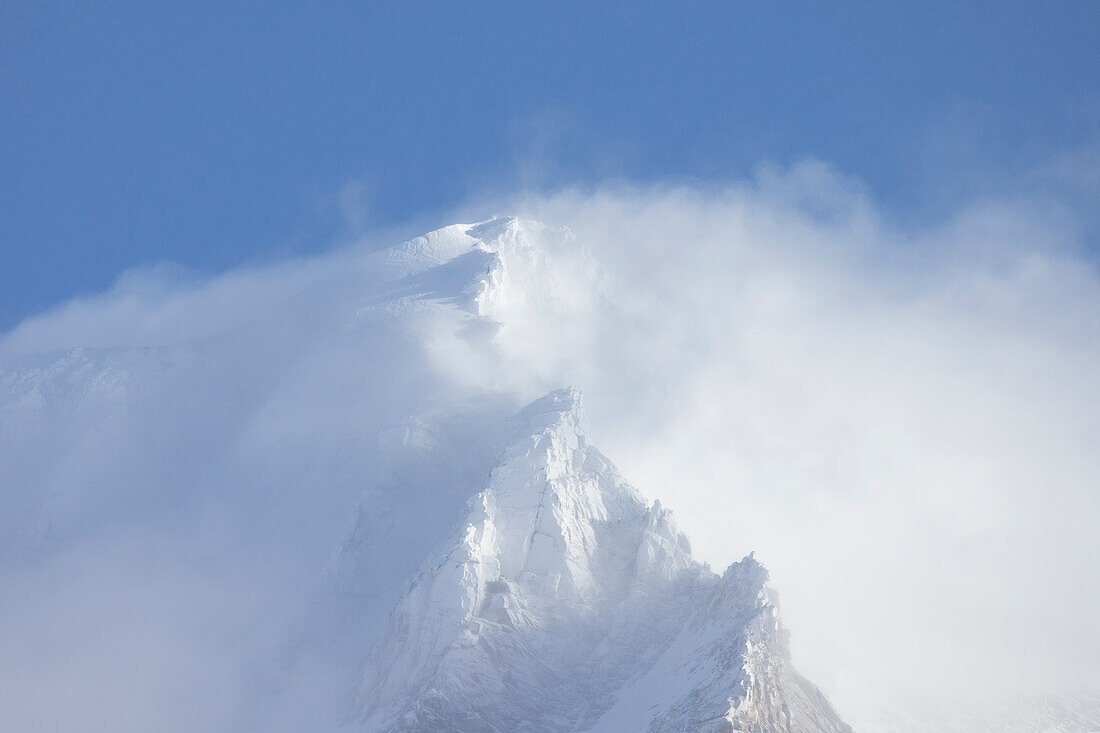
[(900, 421)]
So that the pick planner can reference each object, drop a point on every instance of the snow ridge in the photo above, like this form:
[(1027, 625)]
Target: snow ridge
[(564, 601)]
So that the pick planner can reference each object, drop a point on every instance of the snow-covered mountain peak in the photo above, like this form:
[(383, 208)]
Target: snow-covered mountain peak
[(503, 231), (522, 275), (563, 597), (563, 517), (503, 235), (562, 409)]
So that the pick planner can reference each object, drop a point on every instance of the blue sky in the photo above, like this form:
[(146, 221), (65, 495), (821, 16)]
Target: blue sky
[(212, 135)]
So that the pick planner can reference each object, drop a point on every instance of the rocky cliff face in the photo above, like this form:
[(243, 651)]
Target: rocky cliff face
[(565, 601)]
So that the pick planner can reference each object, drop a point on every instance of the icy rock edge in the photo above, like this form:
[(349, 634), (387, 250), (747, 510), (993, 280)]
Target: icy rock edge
[(564, 601)]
